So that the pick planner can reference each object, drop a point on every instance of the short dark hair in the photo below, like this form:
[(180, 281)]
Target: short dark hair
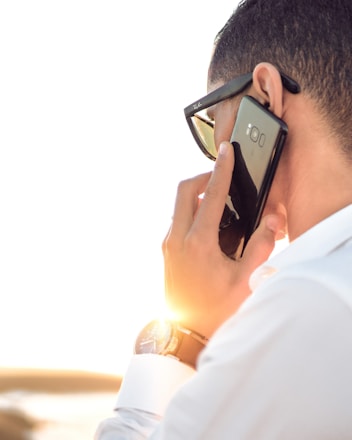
[(311, 41)]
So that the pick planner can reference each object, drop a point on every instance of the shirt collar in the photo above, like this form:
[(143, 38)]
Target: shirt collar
[(318, 241)]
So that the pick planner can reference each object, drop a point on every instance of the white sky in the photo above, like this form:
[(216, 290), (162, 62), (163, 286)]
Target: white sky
[(93, 142)]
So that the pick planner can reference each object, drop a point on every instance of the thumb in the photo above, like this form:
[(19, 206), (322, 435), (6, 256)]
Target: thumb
[(262, 242)]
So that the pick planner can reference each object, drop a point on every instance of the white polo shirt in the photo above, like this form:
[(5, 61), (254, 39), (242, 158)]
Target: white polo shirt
[(280, 368)]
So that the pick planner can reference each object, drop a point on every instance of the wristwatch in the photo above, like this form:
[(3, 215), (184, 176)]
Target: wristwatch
[(169, 338)]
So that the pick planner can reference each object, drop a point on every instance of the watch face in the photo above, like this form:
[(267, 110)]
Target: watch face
[(155, 337)]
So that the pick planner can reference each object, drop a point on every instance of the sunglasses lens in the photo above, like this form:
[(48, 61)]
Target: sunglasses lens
[(204, 131)]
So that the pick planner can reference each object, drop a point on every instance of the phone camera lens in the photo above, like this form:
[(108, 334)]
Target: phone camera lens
[(254, 134)]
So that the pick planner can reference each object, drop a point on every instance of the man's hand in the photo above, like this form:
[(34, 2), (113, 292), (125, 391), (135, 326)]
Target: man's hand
[(204, 286)]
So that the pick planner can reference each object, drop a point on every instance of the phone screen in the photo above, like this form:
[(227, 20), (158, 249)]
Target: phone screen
[(257, 138)]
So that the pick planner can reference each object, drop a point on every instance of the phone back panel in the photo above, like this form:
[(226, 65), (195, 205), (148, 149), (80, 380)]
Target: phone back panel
[(258, 138)]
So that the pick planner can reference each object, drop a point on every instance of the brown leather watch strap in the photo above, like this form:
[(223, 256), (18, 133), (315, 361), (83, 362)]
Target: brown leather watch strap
[(190, 346)]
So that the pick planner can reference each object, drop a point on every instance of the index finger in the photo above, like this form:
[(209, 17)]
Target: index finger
[(210, 211)]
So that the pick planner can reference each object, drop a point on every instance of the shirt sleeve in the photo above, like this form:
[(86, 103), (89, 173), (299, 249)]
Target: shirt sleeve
[(147, 387), (127, 424)]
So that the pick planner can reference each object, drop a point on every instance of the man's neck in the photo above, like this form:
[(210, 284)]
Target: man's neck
[(321, 188)]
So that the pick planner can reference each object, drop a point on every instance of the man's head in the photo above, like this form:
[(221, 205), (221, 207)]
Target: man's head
[(309, 41)]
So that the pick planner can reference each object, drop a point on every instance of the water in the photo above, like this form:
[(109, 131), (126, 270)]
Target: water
[(71, 416)]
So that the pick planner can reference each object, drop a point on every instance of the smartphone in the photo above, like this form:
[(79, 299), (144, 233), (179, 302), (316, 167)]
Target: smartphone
[(258, 138)]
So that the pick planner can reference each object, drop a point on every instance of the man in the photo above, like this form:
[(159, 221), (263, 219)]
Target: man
[(279, 358)]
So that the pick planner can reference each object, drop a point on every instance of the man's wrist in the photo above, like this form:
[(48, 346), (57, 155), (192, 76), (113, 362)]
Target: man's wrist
[(169, 338)]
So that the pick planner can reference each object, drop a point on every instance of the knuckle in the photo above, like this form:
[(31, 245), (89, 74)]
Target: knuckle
[(183, 183), (194, 184), (195, 248), (170, 246), (163, 246)]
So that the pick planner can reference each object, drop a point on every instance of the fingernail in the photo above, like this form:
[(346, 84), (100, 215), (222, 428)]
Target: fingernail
[(223, 149)]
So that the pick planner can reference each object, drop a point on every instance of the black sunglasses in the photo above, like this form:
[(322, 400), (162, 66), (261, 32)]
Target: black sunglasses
[(202, 127)]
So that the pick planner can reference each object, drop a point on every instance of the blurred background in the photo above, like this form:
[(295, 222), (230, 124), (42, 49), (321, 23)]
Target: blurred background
[(93, 143)]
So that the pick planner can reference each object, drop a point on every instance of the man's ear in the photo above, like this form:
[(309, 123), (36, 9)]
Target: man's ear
[(268, 88)]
